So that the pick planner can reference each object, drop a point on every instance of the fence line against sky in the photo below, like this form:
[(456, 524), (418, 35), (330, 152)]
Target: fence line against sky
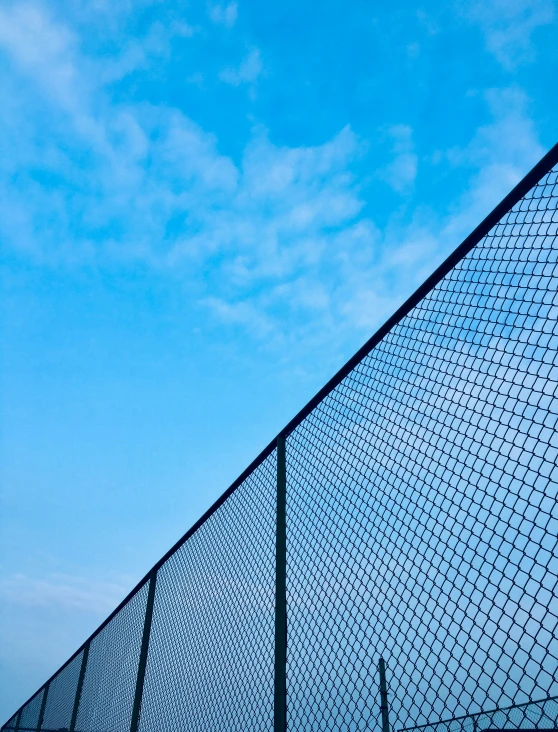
[(408, 513)]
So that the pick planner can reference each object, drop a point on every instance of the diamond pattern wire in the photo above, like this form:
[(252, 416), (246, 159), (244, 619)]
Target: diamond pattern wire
[(11, 723), (422, 519), (533, 715), (30, 712), (211, 652), (422, 527), (109, 684), (61, 696)]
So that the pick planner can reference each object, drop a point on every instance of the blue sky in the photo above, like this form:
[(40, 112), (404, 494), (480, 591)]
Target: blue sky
[(204, 210)]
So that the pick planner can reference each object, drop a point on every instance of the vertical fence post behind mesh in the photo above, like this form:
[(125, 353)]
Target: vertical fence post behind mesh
[(280, 706), (143, 652), (43, 707), (18, 720), (383, 696), (79, 686)]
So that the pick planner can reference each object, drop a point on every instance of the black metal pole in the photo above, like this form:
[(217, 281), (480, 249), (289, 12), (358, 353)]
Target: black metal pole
[(18, 720), (142, 664), (384, 696), (43, 707), (280, 706), (79, 686)]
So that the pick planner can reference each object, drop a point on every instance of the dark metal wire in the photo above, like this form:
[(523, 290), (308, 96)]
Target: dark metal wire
[(60, 697), (29, 717), (109, 683), (421, 500), (211, 653), (531, 715), (421, 533)]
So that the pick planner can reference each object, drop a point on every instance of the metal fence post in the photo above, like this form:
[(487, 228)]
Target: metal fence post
[(142, 664), (280, 706), (79, 686), (43, 707), (384, 696), (18, 720)]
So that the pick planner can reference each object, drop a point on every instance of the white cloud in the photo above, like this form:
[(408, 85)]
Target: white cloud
[(498, 155), (41, 48), (277, 240), (139, 53), (508, 26), (224, 14), (244, 314), (280, 238), (246, 73), (61, 591), (402, 171), (45, 618)]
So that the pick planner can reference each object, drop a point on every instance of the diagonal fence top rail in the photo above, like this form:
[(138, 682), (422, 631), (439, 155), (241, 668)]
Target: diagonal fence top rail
[(404, 520), (542, 714)]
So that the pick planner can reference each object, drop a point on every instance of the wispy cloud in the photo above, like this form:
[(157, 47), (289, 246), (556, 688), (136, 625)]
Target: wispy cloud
[(276, 226), (41, 48), (497, 156), (280, 235), (138, 53), (44, 619), (509, 25), (224, 14), (402, 171), (245, 314), (61, 591), (246, 73)]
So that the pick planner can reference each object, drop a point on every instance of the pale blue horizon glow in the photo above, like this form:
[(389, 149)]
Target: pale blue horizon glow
[(205, 210)]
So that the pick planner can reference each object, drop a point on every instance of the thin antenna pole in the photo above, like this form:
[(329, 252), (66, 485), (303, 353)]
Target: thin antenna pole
[(384, 696)]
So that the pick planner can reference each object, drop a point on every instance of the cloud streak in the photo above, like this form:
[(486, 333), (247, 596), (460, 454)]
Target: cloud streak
[(402, 171), (508, 26), (224, 14), (247, 72), (62, 592), (282, 235)]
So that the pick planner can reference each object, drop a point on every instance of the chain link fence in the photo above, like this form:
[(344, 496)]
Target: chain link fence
[(405, 520), (541, 715)]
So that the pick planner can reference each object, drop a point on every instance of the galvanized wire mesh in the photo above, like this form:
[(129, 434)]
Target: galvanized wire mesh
[(30, 712), (421, 500), (61, 696), (211, 651), (541, 715), (11, 723), (110, 677), (422, 527)]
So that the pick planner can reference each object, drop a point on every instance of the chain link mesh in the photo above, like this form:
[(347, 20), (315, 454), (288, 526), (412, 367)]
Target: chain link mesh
[(61, 695), (110, 675), (422, 527), (211, 653), (30, 712), (11, 723), (533, 715), (421, 500)]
